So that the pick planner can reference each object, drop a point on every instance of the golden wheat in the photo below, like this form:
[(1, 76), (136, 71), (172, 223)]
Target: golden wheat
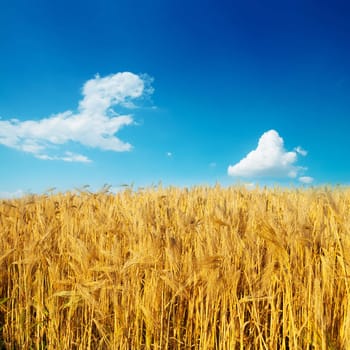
[(200, 268)]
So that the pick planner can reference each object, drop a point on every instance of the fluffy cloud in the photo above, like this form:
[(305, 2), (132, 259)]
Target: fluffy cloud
[(269, 159), (94, 125)]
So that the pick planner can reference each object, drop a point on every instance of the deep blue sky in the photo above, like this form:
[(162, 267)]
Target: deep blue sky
[(225, 72)]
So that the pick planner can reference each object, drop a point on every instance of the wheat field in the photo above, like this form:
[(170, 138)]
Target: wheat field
[(171, 268)]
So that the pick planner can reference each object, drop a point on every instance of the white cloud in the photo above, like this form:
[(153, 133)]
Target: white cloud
[(269, 159), (169, 154), (300, 150), (249, 185), (306, 179), (10, 195), (68, 157), (94, 125)]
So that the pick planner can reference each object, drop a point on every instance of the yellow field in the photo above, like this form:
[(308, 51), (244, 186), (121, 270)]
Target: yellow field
[(206, 268)]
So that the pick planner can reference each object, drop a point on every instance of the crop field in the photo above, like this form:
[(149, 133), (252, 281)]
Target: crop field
[(170, 268)]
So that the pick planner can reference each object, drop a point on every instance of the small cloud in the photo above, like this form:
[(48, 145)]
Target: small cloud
[(249, 185), (269, 159), (306, 179), (72, 157), (10, 195), (94, 125), (300, 150), (169, 154), (68, 157)]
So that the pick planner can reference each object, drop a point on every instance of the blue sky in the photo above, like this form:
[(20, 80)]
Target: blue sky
[(183, 92)]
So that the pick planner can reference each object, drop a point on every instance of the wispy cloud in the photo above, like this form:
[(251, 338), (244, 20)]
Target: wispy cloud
[(94, 125), (68, 157), (306, 179), (250, 185), (10, 195), (269, 159), (300, 150)]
